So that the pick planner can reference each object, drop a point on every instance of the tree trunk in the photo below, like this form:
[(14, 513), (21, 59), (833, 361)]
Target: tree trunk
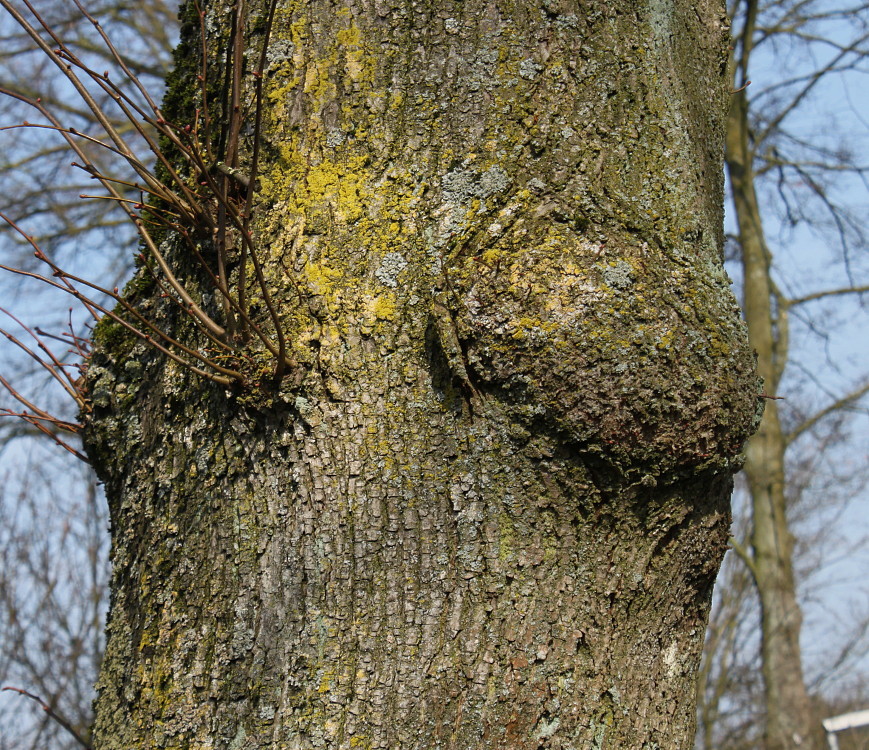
[(487, 507), (790, 724)]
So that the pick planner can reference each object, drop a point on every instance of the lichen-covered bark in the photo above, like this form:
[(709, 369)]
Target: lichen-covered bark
[(488, 509)]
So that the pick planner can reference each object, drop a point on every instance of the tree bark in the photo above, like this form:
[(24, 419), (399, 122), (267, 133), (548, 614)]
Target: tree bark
[(487, 508), (790, 721)]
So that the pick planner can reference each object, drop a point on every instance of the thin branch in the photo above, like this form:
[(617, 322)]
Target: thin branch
[(55, 368), (812, 81), (108, 184), (828, 293), (234, 376), (56, 55), (43, 427), (53, 714), (212, 210), (39, 414), (743, 554), (836, 406)]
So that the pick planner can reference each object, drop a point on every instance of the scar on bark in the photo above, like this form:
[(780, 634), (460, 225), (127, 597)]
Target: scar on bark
[(447, 359)]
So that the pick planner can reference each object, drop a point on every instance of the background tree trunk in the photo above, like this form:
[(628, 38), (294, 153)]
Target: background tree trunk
[(790, 721), (797, 485), (487, 509)]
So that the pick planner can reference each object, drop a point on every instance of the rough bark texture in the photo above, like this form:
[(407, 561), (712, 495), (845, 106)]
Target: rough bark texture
[(488, 509), (790, 720)]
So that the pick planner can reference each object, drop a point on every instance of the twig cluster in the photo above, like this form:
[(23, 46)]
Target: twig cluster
[(203, 199), (70, 376)]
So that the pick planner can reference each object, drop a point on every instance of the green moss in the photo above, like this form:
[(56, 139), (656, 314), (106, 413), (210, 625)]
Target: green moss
[(113, 339), (506, 538)]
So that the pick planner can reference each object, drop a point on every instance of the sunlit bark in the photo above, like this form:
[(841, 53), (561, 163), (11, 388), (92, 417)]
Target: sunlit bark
[(487, 507)]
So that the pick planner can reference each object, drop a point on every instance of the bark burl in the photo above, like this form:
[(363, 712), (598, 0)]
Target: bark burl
[(487, 507)]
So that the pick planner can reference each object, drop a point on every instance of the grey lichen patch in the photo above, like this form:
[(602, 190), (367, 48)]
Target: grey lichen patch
[(618, 275), (460, 186), (278, 52), (546, 728), (661, 17), (567, 22), (493, 180), (529, 69), (303, 405), (391, 265), (600, 730), (462, 191), (335, 138), (101, 387), (239, 740)]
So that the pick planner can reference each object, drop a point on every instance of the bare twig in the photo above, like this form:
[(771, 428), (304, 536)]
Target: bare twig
[(53, 714), (836, 406)]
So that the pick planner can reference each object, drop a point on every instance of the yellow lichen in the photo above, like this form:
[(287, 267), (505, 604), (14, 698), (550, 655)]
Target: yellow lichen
[(384, 307), (321, 277)]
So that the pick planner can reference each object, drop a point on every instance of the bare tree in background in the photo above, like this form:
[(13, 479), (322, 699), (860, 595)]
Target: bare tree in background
[(802, 55), (36, 185), (53, 582), (822, 488), (53, 519), (729, 684)]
